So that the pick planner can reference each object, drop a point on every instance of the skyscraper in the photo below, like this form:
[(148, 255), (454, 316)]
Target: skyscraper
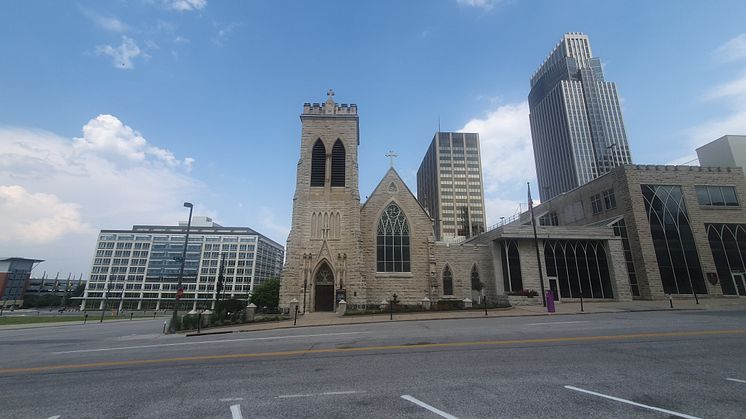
[(449, 185), (576, 121)]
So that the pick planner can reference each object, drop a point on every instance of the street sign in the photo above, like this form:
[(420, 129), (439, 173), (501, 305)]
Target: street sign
[(179, 293)]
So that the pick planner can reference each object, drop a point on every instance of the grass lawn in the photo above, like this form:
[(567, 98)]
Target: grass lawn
[(92, 317)]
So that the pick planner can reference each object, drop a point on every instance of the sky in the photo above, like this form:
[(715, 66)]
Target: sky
[(115, 113)]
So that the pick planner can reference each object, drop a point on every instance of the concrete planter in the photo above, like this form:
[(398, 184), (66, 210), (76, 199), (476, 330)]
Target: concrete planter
[(519, 300)]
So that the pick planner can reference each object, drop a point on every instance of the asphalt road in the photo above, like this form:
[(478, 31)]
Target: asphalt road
[(682, 363)]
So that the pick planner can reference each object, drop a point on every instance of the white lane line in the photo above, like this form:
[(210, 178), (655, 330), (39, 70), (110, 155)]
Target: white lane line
[(290, 396), (202, 342), (55, 417), (577, 321), (232, 399), (428, 407), (337, 393), (657, 409), (326, 393), (236, 411), (736, 380)]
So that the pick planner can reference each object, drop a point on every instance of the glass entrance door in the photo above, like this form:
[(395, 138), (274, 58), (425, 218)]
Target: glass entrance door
[(555, 289)]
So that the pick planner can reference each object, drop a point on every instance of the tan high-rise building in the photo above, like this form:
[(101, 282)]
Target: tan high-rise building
[(449, 185)]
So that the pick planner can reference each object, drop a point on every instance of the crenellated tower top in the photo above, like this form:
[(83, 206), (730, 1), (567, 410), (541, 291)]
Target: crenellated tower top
[(329, 108)]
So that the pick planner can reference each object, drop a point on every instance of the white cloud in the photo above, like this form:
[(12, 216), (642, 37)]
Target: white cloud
[(63, 190), (269, 223), (122, 55), (482, 4), (36, 218), (186, 5), (108, 136), (224, 31), (733, 50), (108, 23), (507, 157), (731, 96)]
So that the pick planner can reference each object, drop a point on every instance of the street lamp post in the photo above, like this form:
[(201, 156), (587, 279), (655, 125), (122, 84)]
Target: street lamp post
[(181, 268)]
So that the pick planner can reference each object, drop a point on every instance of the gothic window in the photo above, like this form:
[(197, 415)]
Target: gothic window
[(338, 164), (728, 245), (673, 240), (392, 246), (447, 281), (580, 266), (318, 164), (512, 279), (476, 284)]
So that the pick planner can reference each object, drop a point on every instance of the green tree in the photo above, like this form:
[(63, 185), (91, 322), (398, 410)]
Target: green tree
[(267, 294)]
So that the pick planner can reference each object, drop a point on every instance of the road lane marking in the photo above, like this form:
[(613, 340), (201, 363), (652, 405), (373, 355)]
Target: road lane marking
[(232, 399), (326, 393), (54, 417), (428, 407), (291, 396), (236, 411), (537, 324), (337, 393), (202, 342), (372, 348), (736, 380), (657, 409)]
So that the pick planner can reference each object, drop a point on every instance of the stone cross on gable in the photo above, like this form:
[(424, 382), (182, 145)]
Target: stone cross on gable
[(391, 155), (330, 93)]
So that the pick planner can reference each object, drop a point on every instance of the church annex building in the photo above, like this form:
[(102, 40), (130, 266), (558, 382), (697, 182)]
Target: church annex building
[(340, 248)]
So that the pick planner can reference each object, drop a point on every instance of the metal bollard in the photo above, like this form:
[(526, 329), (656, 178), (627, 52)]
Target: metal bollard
[(164, 327), (295, 319), (131, 314), (485, 305), (85, 319), (154, 314)]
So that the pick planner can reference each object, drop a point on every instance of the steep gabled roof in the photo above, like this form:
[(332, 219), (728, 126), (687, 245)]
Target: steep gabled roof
[(393, 172)]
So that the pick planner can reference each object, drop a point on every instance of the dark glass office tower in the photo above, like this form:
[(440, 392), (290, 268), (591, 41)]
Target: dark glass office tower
[(576, 120)]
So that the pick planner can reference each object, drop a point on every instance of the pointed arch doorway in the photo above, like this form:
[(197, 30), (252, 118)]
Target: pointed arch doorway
[(324, 288)]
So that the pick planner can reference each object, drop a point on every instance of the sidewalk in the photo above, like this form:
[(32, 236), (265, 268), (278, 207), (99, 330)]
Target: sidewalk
[(331, 319)]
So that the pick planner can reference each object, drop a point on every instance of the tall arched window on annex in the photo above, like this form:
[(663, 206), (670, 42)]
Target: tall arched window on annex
[(318, 163), (447, 281), (338, 164), (392, 241), (476, 283)]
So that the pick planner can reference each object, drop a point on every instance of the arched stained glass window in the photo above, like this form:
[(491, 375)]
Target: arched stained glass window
[(476, 283), (338, 164), (392, 245), (318, 163), (447, 281)]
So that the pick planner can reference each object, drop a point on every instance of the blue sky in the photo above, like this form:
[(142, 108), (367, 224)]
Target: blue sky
[(114, 113)]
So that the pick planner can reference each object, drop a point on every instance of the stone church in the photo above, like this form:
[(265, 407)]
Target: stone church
[(364, 253)]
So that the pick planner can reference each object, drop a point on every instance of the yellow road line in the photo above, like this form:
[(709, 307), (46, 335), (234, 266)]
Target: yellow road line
[(373, 348)]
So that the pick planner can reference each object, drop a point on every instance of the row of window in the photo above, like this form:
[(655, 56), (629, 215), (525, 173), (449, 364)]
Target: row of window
[(604, 200), (721, 196)]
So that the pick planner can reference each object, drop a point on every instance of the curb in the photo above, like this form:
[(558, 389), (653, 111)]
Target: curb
[(222, 332)]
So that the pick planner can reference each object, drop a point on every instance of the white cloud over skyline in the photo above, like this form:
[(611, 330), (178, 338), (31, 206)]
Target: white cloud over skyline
[(122, 56), (507, 158), (56, 192), (186, 5), (482, 4), (730, 95)]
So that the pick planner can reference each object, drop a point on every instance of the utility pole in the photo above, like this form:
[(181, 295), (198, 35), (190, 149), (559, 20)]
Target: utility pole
[(536, 244)]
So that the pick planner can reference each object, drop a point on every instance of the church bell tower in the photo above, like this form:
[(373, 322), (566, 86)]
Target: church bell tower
[(323, 248)]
